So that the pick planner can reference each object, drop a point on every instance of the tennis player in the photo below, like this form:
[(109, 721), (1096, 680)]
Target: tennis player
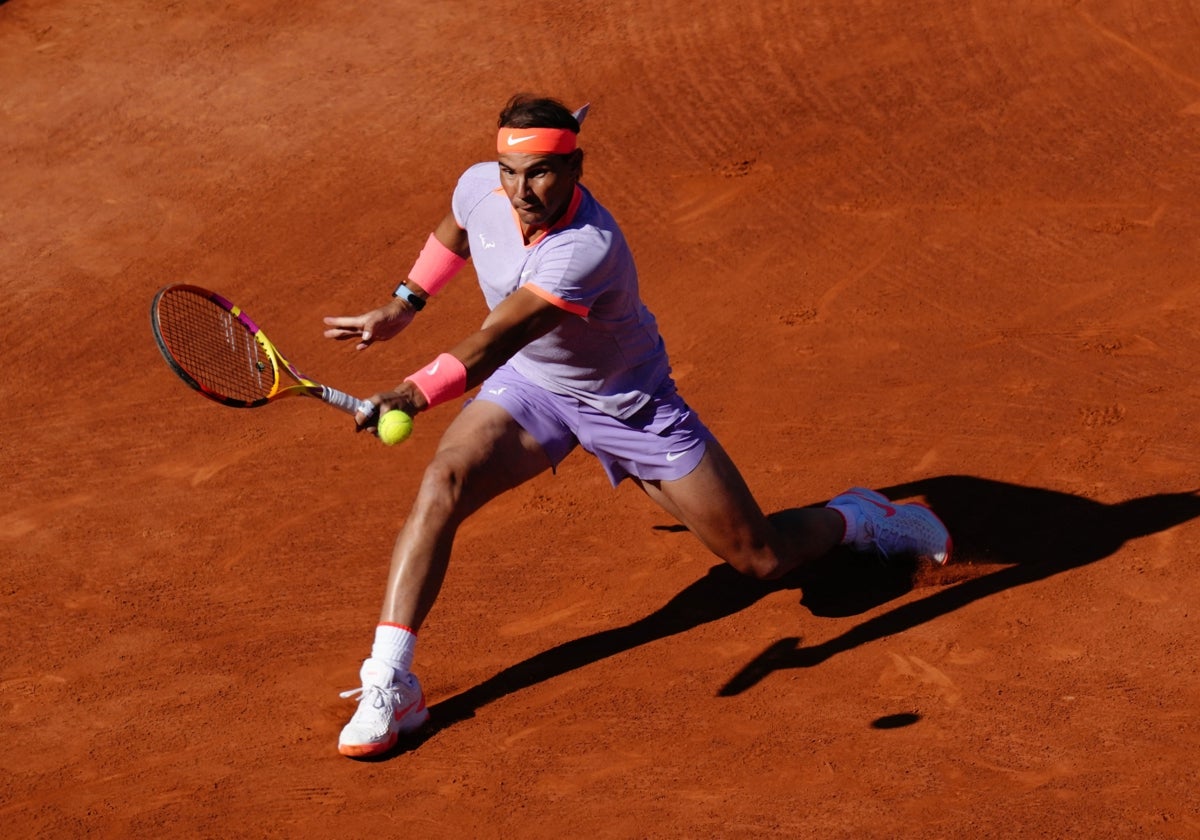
[(568, 357)]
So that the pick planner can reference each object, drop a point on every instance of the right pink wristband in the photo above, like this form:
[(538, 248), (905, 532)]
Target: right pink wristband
[(436, 266), (441, 381)]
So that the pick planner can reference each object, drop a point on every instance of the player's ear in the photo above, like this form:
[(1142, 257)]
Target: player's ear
[(575, 164)]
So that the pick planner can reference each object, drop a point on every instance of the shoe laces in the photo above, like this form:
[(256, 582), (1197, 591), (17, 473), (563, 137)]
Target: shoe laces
[(379, 696), (872, 530)]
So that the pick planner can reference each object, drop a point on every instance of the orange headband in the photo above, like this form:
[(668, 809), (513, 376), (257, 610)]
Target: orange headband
[(535, 141)]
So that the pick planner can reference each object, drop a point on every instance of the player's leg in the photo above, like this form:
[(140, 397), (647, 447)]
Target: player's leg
[(483, 453), (715, 504)]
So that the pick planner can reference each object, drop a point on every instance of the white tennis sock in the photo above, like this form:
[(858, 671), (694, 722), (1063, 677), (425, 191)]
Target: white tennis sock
[(852, 523), (394, 644)]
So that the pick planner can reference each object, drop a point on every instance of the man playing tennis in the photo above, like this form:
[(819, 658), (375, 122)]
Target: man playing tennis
[(568, 356)]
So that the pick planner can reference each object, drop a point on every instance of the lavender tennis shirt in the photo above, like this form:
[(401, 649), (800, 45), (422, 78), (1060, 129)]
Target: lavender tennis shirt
[(609, 355)]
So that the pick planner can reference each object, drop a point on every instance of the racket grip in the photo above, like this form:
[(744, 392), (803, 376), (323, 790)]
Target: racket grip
[(347, 403)]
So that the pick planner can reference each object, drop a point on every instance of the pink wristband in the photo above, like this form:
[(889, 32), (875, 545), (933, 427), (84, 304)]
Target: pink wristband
[(436, 265), (441, 381)]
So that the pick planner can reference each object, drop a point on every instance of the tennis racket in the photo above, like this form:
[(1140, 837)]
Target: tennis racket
[(216, 348)]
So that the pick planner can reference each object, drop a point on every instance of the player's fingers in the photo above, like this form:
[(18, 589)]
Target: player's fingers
[(345, 327), (353, 321), (366, 420)]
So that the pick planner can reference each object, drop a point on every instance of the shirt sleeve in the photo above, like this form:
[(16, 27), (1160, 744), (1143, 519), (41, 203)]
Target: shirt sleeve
[(570, 271), (474, 185)]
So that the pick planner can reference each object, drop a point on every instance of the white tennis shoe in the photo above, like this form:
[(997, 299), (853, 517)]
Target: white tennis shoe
[(891, 529), (388, 705)]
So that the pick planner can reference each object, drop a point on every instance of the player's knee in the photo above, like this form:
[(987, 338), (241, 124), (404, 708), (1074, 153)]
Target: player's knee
[(441, 488)]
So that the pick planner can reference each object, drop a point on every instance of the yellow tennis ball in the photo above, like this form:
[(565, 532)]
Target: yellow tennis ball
[(394, 427)]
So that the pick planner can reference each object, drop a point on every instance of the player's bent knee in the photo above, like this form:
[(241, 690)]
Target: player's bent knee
[(452, 489), (441, 486)]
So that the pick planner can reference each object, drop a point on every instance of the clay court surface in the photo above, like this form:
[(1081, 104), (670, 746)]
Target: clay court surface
[(944, 249)]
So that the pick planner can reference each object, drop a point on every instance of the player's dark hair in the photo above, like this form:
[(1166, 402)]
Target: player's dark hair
[(528, 111)]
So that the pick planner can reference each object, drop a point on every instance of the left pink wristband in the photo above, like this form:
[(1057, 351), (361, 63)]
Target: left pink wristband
[(436, 266), (441, 381)]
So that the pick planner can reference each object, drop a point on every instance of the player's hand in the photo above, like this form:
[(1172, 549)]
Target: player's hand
[(407, 397), (377, 325)]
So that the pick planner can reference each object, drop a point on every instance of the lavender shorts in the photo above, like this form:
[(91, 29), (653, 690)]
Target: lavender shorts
[(663, 441)]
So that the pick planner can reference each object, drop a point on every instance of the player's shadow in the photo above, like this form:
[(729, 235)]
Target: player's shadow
[(720, 593), (1006, 536)]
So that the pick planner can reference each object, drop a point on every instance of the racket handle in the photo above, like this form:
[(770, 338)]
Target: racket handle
[(345, 402)]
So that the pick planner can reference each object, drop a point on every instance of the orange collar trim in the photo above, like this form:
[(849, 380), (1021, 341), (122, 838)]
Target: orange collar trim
[(564, 220)]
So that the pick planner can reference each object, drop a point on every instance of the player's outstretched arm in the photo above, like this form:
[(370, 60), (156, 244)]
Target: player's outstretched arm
[(442, 257), (520, 318)]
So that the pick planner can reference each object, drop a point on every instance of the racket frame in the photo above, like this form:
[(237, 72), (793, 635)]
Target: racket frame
[(303, 387)]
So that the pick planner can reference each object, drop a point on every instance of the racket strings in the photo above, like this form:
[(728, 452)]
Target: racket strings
[(214, 347)]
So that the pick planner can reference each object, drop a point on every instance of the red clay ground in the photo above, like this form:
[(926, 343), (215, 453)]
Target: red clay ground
[(947, 248)]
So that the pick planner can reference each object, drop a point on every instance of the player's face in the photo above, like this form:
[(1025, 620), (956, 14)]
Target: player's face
[(540, 187)]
